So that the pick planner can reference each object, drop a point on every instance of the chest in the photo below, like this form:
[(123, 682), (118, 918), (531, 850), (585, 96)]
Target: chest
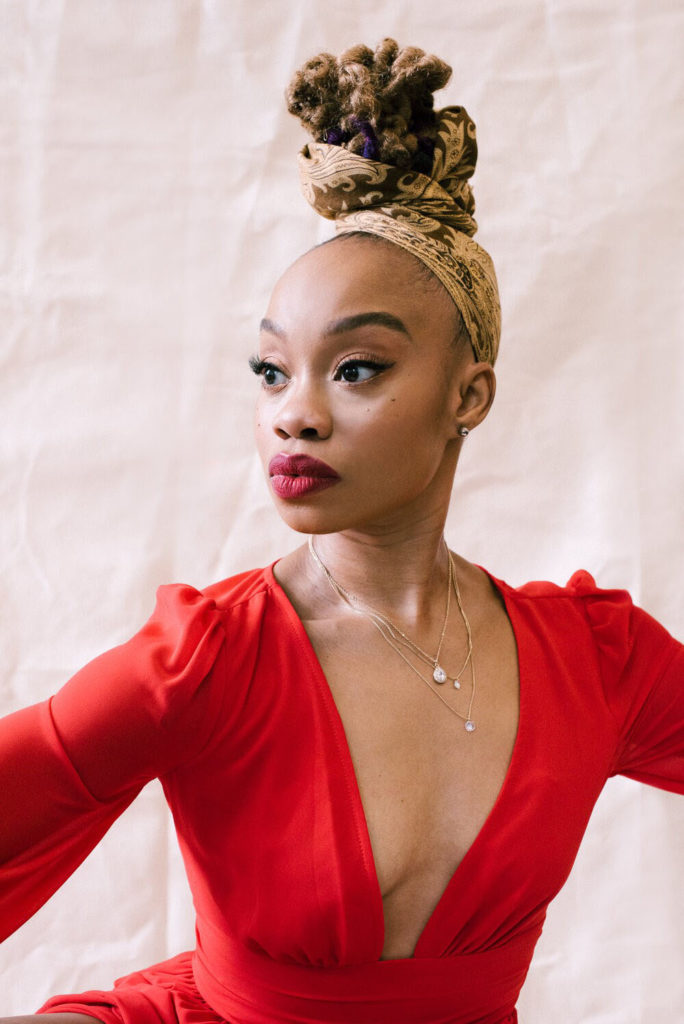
[(291, 843), (426, 784)]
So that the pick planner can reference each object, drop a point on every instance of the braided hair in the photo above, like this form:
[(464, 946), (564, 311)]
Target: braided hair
[(375, 103)]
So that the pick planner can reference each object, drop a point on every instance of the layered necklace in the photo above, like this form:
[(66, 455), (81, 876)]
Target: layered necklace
[(397, 638)]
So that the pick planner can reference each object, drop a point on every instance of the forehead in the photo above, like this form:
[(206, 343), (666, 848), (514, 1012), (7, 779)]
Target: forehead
[(352, 275)]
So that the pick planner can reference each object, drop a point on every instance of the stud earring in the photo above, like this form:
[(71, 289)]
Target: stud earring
[(463, 431)]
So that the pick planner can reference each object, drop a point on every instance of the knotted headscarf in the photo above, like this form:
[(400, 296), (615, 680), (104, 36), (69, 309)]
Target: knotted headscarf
[(430, 216)]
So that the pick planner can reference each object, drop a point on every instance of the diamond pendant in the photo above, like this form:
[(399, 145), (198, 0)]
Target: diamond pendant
[(470, 726), (457, 685), (439, 675)]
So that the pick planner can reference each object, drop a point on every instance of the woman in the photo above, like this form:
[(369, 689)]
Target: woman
[(380, 759)]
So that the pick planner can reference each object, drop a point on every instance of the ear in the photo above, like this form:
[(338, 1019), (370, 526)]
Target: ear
[(473, 395)]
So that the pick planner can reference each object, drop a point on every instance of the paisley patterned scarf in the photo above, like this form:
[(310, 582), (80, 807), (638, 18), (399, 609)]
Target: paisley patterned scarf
[(430, 216)]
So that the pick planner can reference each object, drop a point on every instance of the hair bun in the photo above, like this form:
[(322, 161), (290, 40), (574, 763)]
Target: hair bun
[(378, 104), (384, 162)]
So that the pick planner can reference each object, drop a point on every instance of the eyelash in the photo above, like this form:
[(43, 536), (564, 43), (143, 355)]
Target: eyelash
[(260, 366)]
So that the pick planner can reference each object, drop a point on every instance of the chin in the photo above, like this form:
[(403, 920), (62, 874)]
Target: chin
[(322, 514), (332, 512), (310, 520)]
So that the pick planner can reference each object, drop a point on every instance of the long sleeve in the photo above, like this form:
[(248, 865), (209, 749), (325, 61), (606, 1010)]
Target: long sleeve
[(69, 766), (642, 667)]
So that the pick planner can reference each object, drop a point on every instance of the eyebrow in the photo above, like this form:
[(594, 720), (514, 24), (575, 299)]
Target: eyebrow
[(347, 323)]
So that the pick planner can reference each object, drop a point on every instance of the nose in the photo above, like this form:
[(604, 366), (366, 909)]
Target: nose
[(303, 411)]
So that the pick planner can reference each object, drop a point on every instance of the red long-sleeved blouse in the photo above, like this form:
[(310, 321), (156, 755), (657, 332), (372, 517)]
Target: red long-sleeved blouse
[(221, 696)]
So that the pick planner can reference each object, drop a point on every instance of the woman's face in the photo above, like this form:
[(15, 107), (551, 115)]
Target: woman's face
[(359, 371)]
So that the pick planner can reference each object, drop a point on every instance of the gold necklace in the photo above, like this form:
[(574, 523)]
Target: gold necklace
[(393, 635), (382, 622), (438, 673)]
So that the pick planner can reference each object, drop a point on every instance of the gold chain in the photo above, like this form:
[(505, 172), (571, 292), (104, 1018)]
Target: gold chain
[(398, 634), (393, 635)]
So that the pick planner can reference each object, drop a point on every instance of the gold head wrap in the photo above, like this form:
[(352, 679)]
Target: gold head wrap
[(428, 216)]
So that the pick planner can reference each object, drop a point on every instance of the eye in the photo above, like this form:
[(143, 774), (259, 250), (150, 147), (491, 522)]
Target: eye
[(356, 371), (270, 374)]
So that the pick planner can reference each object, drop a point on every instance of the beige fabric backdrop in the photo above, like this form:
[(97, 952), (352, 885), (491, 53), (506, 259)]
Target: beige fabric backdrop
[(149, 199)]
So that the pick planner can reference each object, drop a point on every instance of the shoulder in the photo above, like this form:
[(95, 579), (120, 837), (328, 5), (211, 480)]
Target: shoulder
[(619, 629), (152, 702), (188, 634), (581, 585), (580, 589), (607, 611), (241, 588), (183, 609)]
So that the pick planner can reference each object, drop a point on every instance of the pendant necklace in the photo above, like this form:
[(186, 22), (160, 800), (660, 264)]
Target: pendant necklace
[(396, 638)]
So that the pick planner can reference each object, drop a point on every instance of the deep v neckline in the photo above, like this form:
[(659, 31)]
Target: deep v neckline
[(428, 943)]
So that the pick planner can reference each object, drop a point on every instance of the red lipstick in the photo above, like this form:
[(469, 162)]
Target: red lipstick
[(293, 476)]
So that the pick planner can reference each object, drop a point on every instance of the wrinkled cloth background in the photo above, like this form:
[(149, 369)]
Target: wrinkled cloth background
[(149, 199)]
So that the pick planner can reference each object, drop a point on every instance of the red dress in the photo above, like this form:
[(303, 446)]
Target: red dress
[(221, 696)]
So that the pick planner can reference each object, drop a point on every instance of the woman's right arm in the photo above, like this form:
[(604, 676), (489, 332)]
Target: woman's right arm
[(70, 765)]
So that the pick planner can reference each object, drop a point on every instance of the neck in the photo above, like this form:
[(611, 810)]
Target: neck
[(401, 573)]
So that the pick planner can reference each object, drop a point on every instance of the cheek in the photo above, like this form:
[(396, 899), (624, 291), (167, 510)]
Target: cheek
[(260, 427), (263, 403), (398, 435), (416, 414)]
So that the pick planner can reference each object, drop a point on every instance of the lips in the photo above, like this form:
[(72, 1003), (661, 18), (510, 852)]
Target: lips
[(293, 476), (300, 465)]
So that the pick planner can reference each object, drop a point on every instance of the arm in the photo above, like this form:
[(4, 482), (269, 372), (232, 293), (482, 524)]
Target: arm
[(71, 765), (642, 667)]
